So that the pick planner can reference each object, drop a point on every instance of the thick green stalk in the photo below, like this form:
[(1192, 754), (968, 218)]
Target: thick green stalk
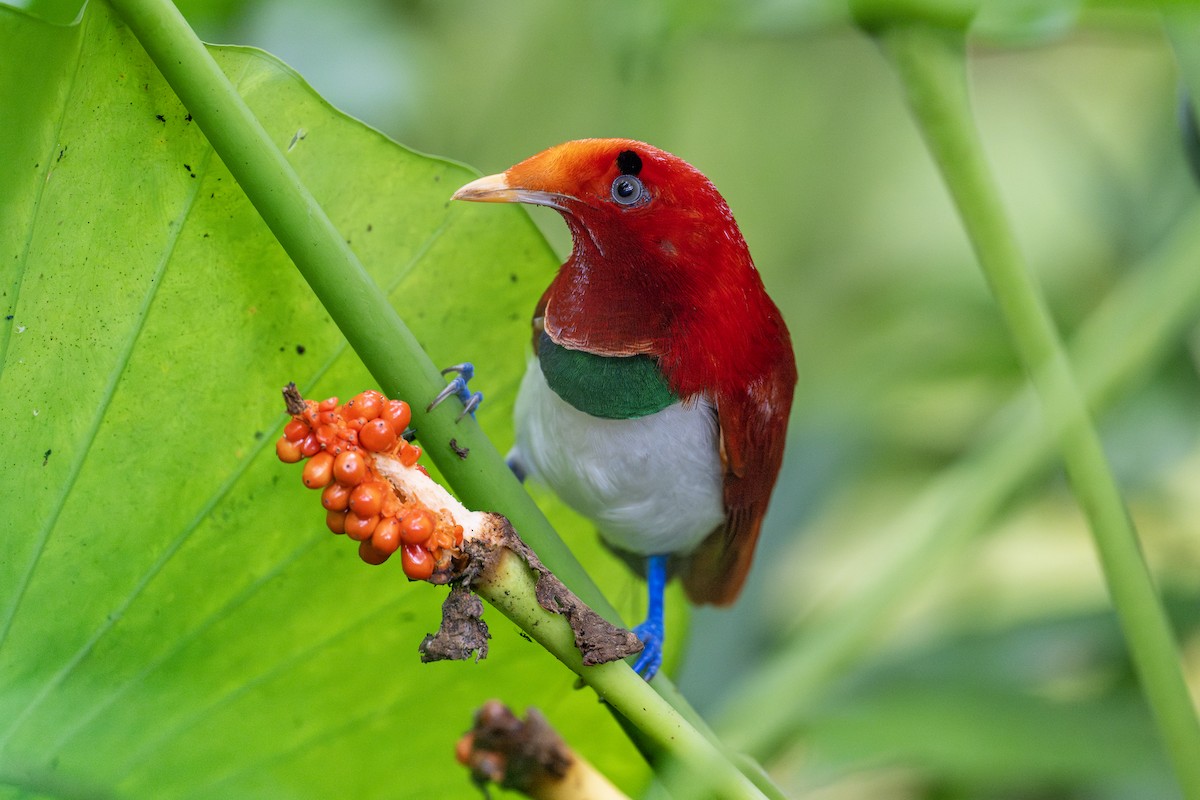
[(932, 67), (394, 357), (510, 588), (1141, 320)]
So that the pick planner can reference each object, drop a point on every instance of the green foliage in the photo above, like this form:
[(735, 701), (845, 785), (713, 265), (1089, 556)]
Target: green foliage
[(926, 618), (173, 617)]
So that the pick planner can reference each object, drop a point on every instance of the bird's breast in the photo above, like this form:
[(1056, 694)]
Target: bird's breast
[(652, 483), (610, 387)]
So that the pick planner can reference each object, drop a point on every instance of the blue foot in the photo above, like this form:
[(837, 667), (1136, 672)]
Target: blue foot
[(458, 387), (652, 632)]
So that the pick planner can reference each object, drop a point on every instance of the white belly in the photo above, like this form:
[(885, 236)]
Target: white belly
[(651, 484)]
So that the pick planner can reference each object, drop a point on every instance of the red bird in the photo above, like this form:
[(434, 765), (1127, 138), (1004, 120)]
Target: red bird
[(658, 400)]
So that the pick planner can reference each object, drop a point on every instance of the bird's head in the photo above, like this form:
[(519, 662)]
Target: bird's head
[(623, 200)]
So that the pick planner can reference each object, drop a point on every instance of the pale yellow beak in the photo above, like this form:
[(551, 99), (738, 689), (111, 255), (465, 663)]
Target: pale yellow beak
[(489, 189), (497, 189)]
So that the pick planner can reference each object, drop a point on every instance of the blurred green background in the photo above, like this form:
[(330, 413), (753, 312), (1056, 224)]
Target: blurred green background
[(1000, 673)]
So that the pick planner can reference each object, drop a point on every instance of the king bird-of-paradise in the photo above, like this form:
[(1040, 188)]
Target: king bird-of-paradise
[(657, 403)]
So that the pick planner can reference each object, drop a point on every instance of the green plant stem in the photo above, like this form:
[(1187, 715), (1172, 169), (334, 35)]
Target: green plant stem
[(383, 342), (510, 587), (931, 64), (1121, 342)]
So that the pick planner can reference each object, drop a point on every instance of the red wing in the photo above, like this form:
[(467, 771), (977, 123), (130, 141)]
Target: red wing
[(753, 429)]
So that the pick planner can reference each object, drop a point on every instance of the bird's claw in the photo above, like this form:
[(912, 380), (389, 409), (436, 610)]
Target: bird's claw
[(652, 636), (457, 387)]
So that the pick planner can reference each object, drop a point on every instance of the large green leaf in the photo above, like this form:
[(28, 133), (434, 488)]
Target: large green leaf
[(174, 620)]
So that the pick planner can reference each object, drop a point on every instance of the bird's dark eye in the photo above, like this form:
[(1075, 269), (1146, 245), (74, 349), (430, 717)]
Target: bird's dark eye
[(627, 190)]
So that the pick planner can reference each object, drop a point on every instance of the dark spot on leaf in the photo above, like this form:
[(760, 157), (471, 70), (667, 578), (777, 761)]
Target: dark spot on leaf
[(369, 227), (9, 317), (258, 434), (525, 636), (513, 277), (160, 118), (299, 349), (188, 118), (437, 178), (46, 457), (459, 450), (61, 153)]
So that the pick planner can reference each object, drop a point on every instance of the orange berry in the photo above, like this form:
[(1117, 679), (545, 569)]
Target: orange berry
[(365, 405), (328, 404), (417, 562), (336, 497), (386, 538), (398, 415), (369, 553), (318, 471), (367, 498), (417, 525), (409, 454), (360, 528), (296, 430), (377, 436), (310, 446), (325, 434), (350, 468), (336, 521), (288, 451)]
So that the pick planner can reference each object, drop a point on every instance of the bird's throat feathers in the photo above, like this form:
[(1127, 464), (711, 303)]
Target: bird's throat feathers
[(704, 316)]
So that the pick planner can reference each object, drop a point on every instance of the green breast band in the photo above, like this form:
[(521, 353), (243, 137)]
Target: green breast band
[(612, 387)]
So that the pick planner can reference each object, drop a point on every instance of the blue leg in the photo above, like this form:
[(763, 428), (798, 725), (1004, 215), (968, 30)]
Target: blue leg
[(652, 632), (458, 388)]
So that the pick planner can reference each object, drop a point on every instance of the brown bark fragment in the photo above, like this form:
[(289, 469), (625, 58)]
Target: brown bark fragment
[(516, 755), (462, 632), (597, 639)]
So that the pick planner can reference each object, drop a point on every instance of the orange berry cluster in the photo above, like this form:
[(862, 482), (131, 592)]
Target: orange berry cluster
[(340, 443)]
